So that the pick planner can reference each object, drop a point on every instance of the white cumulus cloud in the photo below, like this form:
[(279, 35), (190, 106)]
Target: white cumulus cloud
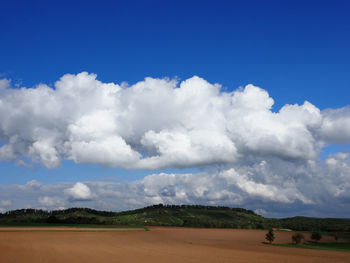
[(79, 192), (336, 125), (158, 123)]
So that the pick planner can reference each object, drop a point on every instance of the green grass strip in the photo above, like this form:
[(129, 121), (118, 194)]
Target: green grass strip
[(335, 246), (67, 225)]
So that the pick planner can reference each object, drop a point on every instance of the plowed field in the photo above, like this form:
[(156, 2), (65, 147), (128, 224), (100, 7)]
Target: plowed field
[(158, 245)]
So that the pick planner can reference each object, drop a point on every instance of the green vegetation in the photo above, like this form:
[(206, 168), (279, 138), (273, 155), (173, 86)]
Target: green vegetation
[(173, 215), (24, 225), (157, 215), (297, 238), (316, 236), (323, 246), (336, 237), (301, 223), (270, 236)]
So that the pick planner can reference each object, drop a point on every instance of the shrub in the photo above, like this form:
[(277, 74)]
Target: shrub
[(270, 236), (297, 238), (316, 236), (336, 237)]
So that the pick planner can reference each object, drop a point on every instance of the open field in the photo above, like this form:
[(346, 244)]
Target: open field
[(157, 245)]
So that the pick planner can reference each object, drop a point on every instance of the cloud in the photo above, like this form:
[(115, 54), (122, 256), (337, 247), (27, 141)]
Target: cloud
[(248, 154), (49, 203), (270, 186), (4, 84), (336, 125), (5, 203), (158, 123), (79, 192)]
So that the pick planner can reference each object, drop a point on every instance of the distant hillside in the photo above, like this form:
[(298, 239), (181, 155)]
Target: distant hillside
[(301, 223), (172, 215)]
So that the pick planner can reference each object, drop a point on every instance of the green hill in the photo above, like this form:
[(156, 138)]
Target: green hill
[(172, 215)]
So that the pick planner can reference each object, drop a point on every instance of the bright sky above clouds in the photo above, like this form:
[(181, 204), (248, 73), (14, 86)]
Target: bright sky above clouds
[(116, 106)]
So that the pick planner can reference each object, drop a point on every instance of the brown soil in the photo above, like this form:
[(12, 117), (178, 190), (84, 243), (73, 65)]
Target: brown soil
[(158, 245)]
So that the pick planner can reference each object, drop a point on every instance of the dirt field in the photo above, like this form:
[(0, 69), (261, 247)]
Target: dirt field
[(158, 245)]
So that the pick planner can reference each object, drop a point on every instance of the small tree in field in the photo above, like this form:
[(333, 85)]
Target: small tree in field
[(270, 236), (336, 237), (297, 238), (316, 236)]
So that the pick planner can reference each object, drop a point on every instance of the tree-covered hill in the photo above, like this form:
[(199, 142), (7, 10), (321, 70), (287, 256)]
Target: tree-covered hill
[(301, 223), (173, 215)]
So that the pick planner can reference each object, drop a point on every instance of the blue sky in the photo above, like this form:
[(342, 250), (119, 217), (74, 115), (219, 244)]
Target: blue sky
[(295, 50), (298, 50)]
